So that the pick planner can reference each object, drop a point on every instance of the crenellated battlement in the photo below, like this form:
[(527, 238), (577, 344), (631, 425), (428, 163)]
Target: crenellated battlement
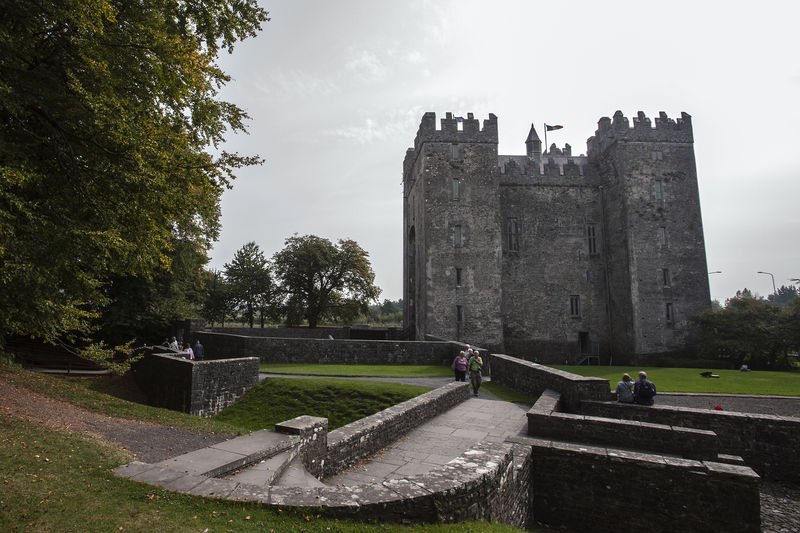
[(558, 166), (450, 132), (666, 129)]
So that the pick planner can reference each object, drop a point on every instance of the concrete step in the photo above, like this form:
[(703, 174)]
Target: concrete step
[(296, 475), (264, 472)]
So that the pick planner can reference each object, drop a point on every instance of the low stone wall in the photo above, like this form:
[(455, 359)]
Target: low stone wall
[(586, 488), (349, 444), (298, 333), (202, 388), (488, 482), (768, 443), (326, 351), (533, 379), (545, 421)]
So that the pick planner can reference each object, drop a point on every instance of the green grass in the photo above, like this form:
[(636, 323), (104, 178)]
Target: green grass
[(689, 379), (506, 394), (53, 481), (341, 401), (381, 371)]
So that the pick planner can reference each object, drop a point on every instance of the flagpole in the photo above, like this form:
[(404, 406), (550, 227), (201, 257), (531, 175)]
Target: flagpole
[(545, 137)]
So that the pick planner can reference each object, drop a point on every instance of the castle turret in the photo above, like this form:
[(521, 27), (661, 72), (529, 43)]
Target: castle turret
[(534, 145)]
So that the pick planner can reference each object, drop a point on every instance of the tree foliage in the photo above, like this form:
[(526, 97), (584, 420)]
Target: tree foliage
[(750, 330), (321, 280), (783, 295), (108, 112), (250, 283)]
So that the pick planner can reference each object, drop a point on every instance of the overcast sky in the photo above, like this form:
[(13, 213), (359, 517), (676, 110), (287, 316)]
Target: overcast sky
[(336, 91)]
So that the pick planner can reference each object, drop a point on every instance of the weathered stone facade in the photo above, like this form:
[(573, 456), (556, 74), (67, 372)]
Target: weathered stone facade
[(551, 256)]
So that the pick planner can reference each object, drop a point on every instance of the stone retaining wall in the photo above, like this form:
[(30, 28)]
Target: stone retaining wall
[(202, 388), (545, 421), (586, 488), (533, 379), (768, 443), (327, 351), (351, 443)]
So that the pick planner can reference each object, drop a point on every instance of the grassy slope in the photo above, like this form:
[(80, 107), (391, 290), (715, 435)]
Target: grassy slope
[(341, 401), (689, 379)]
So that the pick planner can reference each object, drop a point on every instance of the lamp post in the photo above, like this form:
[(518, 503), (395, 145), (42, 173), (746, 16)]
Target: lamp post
[(775, 292)]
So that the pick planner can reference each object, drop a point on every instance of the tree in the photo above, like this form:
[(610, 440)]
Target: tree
[(748, 330), (143, 308), (217, 303), (108, 116), (323, 280), (250, 282), (783, 295)]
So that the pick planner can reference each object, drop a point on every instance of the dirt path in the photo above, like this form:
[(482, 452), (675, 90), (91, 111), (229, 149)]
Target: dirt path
[(146, 441)]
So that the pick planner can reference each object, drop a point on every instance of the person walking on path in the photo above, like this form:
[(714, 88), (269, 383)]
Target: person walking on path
[(644, 390), (459, 366), (625, 389), (475, 365)]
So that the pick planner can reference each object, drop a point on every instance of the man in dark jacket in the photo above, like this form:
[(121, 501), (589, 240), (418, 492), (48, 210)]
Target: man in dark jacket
[(644, 390)]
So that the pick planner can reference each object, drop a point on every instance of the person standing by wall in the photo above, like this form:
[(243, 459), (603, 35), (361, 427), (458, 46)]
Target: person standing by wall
[(198, 350), (475, 364)]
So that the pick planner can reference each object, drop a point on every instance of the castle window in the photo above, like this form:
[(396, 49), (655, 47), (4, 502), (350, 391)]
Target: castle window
[(456, 189), (666, 277), (459, 313), (670, 314), (575, 306), (458, 277), (591, 238), (454, 153), (662, 236), (458, 236), (656, 155), (512, 234), (658, 190)]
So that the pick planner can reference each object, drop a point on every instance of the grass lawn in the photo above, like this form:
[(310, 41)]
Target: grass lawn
[(689, 379), (380, 371), (341, 401)]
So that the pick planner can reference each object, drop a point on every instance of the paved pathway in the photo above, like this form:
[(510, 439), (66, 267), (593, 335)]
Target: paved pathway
[(439, 441)]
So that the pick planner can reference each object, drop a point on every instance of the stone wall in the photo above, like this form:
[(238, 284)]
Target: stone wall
[(768, 443), (202, 388), (349, 444), (545, 421), (326, 351), (533, 379), (587, 488)]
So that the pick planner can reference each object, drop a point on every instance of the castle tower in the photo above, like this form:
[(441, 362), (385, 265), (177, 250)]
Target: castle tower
[(452, 277), (534, 145), (657, 272)]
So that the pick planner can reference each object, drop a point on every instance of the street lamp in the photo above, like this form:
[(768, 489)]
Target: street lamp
[(775, 292)]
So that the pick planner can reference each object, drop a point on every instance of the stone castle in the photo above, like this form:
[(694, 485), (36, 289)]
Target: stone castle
[(549, 256)]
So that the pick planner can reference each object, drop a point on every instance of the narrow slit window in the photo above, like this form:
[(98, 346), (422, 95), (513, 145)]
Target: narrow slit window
[(670, 313), (662, 236), (456, 188), (458, 277), (665, 277), (591, 238), (658, 190), (459, 313), (512, 234), (575, 306)]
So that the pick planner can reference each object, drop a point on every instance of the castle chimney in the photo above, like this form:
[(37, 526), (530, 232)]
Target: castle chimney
[(534, 145)]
